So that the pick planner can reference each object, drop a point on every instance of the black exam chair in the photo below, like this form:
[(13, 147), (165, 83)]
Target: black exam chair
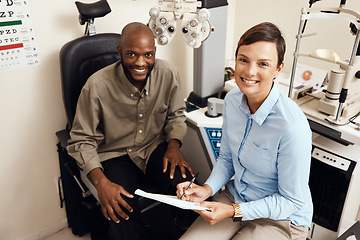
[(79, 59)]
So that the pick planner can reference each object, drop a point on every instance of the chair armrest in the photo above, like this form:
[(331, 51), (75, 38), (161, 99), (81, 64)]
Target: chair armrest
[(63, 137)]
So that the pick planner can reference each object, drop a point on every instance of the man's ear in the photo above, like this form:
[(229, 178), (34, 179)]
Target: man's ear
[(119, 49)]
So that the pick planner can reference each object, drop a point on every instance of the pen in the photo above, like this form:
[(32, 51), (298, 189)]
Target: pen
[(191, 182)]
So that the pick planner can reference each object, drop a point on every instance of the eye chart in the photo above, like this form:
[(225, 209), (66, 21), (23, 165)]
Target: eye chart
[(17, 38)]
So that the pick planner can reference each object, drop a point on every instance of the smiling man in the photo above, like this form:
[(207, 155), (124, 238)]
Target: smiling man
[(127, 133)]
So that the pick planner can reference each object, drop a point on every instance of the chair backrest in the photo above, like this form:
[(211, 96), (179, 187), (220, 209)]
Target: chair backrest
[(79, 59)]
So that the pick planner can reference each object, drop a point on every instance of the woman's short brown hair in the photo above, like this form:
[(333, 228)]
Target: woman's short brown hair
[(267, 32)]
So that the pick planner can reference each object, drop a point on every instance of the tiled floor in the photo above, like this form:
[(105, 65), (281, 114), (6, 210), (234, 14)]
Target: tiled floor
[(66, 234)]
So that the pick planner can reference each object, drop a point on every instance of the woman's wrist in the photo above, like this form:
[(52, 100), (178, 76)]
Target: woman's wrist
[(209, 190)]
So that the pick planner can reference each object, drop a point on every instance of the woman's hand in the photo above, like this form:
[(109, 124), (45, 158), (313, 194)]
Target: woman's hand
[(194, 193), (218, 212)]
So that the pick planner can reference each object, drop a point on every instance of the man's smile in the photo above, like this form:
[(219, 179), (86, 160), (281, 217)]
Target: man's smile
[(140, 70)]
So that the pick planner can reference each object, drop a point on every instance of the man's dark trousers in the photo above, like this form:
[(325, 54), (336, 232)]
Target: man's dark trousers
[(158, 222)]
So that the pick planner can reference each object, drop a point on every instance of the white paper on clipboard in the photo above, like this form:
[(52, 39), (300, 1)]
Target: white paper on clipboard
[(171, 200)]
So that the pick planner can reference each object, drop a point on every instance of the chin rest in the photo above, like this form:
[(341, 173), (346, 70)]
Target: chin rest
[(89, 11)]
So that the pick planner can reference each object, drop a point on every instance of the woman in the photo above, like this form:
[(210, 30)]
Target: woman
[(265, 154)]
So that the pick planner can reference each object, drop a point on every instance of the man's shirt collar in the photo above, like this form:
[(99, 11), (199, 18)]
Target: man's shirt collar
[(129, 87)]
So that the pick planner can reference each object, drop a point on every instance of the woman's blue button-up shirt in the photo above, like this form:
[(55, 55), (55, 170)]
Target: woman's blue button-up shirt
[(268, 155)]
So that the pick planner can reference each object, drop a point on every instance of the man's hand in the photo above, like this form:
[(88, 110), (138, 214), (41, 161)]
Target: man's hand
[(110, 196), (175, 158)]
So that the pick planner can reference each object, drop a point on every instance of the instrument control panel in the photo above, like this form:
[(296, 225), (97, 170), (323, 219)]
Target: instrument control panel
[(214, 135)]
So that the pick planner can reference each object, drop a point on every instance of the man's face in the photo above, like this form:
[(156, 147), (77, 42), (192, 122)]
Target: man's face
[(138, 57)]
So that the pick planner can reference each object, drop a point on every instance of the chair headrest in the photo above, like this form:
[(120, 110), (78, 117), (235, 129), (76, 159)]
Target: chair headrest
[(79, 59)]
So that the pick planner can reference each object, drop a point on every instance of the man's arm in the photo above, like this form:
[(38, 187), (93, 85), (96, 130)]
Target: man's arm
[(175, 128), (85, 138)]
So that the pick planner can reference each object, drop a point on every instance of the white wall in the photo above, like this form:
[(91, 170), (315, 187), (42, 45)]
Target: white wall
[(31, 102), (331, 34)]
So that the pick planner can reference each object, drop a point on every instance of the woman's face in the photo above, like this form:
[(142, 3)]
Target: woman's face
[(255, 69)]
